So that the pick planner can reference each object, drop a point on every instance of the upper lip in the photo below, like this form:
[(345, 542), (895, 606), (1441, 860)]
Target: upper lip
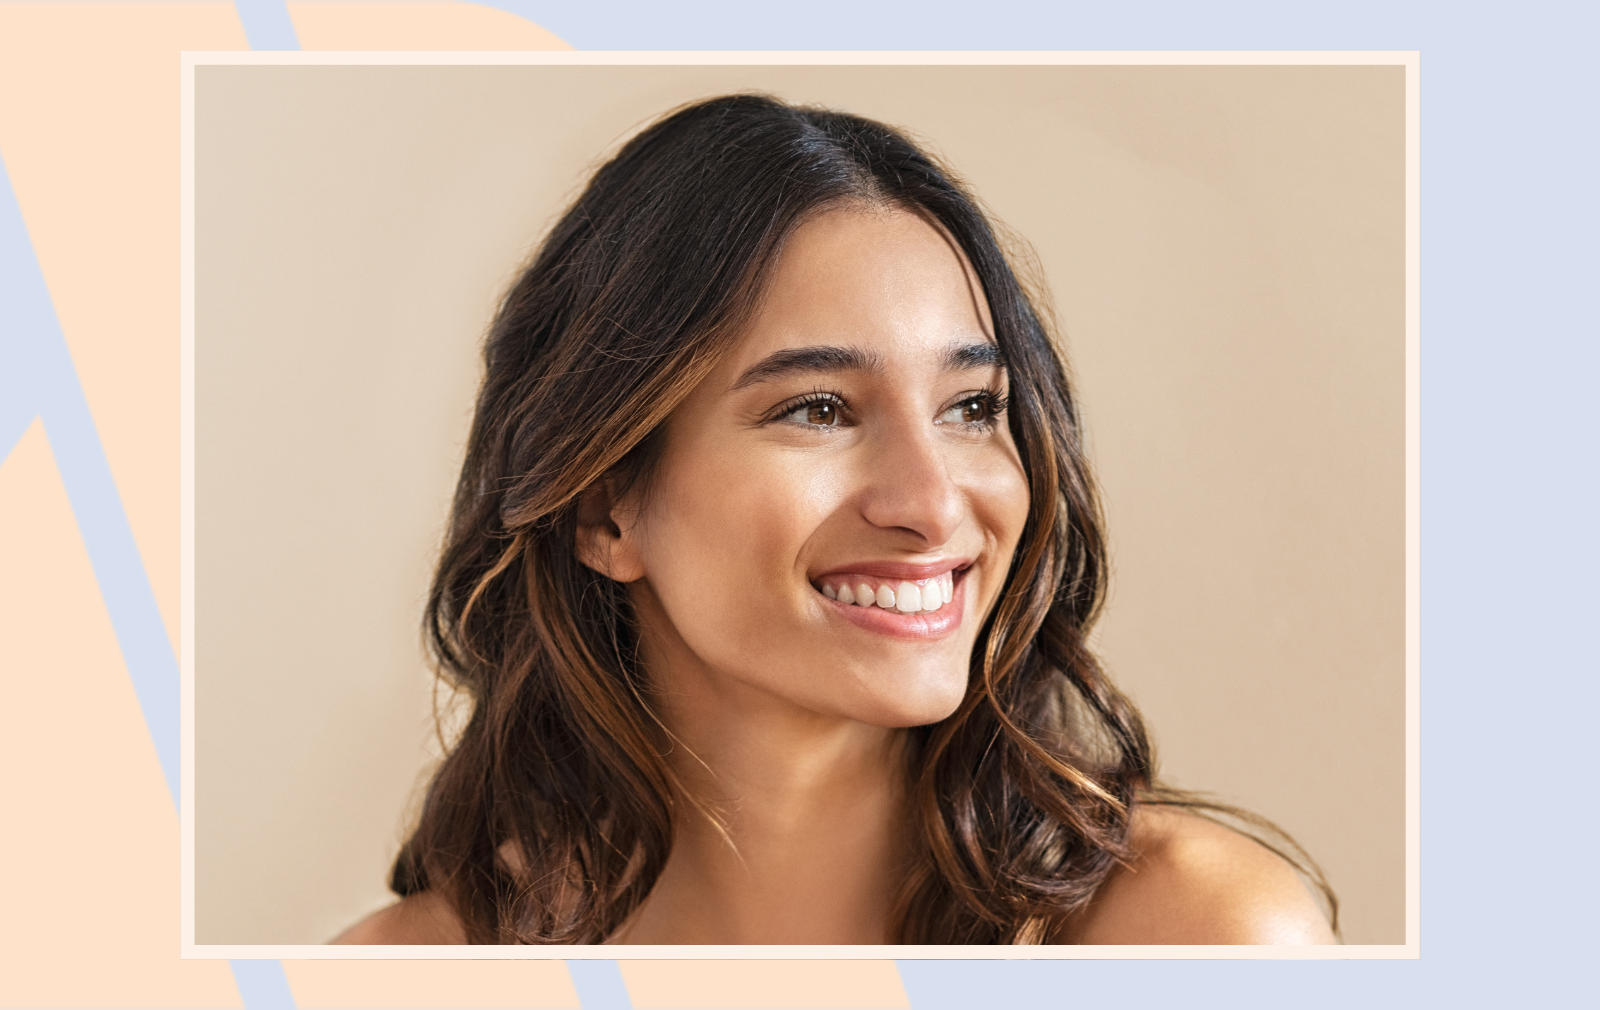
[(896, 569)]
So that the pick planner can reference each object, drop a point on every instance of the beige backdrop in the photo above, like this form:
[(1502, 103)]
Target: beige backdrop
[(1224, 247)]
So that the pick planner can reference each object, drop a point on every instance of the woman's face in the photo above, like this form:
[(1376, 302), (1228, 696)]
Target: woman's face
[(838, 502)]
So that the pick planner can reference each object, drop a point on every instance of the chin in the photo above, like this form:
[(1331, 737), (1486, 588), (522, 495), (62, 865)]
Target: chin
[(934, 703)]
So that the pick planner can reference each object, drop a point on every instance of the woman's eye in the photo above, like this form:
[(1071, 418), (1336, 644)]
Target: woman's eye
[(818, 412), (975, 410)]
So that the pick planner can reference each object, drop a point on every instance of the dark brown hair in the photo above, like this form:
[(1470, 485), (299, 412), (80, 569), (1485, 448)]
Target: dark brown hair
[(552, 815)]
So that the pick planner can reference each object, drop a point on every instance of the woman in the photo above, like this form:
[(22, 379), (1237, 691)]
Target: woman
[(769, 577)]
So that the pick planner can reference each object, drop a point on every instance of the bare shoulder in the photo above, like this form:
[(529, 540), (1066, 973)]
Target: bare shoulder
[(420, 918), (1195, 881)]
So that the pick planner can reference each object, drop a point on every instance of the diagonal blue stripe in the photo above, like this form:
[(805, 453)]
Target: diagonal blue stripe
[(262, 985), (40, 377), (267, 24), (17, 409), (599, 985), (25, 311)]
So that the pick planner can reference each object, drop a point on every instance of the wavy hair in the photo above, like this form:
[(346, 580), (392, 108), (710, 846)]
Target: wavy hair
[(552, 815)]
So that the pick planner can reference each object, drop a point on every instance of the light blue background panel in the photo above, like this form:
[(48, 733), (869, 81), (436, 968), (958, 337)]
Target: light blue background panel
[(1510, 349)]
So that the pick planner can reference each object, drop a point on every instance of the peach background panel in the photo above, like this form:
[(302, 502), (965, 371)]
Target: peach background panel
[(1225, 247)]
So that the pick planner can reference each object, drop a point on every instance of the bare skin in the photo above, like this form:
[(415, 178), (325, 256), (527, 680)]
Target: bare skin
[(421, 918), (854, 434), (1193, 882)]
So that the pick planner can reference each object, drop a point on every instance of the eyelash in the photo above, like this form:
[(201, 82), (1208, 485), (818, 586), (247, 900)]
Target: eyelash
[(995, 403), (812, 398)]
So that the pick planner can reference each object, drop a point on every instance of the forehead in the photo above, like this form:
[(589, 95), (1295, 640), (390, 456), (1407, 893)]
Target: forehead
[(881, 279)]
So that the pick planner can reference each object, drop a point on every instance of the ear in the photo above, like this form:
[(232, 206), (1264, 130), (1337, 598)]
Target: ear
[(608, 540)]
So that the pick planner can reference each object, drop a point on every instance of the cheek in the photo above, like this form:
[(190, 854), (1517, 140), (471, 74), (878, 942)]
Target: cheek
[(725, 532), (1012, 504), (1000, 498), (722, 548)]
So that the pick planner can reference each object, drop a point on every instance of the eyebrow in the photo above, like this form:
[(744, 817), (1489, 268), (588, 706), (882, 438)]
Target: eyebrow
[(965, 356), (805, 360)]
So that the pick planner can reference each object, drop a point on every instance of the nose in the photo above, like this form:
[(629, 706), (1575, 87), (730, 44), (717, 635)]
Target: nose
[(909, 485)]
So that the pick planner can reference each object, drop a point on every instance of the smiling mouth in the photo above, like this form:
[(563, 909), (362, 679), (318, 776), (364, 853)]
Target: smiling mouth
[(904, 596)]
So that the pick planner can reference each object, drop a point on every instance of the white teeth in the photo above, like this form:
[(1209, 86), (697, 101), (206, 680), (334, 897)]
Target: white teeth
[(907, 598)]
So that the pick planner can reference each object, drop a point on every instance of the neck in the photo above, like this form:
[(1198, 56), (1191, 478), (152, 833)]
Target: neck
[(809, 848)]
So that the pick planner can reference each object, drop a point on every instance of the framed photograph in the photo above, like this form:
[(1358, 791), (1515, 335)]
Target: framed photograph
[(1221, 248)]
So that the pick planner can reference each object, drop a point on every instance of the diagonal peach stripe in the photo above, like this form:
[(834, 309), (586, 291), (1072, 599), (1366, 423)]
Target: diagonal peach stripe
[(436, 26)]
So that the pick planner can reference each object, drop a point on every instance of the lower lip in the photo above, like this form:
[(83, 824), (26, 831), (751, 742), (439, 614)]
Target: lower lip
[(916, 627)]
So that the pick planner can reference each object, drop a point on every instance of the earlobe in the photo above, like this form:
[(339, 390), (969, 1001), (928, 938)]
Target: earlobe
[(602, 543)]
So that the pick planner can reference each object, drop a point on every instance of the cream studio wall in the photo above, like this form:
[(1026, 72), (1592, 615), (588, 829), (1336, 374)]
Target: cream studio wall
[(1225, 251)]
